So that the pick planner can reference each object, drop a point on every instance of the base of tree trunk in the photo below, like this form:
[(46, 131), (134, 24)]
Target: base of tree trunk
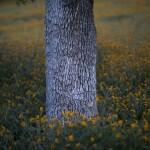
[(70, 58)]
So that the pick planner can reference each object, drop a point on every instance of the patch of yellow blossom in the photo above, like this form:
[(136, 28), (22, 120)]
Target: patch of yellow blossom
[(3, 130), (21, 116), (83, 117), (56, 140), (70, 138), (32, 119), (68, 114), (120, 122), (98, 98), (84, 123), (118, 135), (22, 124), (58, 131), (51, 126), (92, 139), (41, 109), (43, 119), (146, 126), (39, 119), (78, 145), (94, 120), (146, 138), (70, 124), (134, 125)]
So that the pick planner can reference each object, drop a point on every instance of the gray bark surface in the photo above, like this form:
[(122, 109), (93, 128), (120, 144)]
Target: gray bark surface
[(70, 38)]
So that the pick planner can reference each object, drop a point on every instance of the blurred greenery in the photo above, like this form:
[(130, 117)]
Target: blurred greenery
[(19, 1), (123, 81)]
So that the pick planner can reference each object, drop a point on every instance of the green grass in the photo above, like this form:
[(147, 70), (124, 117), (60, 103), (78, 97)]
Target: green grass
[(123, 91)]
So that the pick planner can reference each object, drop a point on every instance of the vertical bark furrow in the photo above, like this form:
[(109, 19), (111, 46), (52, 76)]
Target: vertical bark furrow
[(70, 57)]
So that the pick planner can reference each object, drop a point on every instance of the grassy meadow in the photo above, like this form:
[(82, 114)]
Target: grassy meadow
[(123, 81)]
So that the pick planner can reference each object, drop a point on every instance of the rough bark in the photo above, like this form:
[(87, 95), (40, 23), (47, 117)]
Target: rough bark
[(70, 58)]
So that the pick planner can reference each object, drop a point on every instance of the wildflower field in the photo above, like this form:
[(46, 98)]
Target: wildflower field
[(123, 81)]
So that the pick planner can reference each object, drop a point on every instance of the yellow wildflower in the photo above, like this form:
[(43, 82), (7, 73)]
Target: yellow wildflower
[(12, 104), (120, 122), (146, 126), (50, 126), (97, 98), (70, 138), (78, 145), (37, 117), (3, 130), (22, 124), (84, 124), (134, 125), (70, 125), (146, 139), (43, 119), (118, 135), (56, 140), (93, 120), (68, 114), (58, 131), (32, 119), (92, 139), (20, 116), (41, 109)]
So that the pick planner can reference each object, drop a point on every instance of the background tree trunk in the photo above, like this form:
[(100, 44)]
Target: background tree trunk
[(70, 58)]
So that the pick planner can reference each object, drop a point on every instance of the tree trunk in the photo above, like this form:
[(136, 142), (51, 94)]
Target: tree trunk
[(70, 38)]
